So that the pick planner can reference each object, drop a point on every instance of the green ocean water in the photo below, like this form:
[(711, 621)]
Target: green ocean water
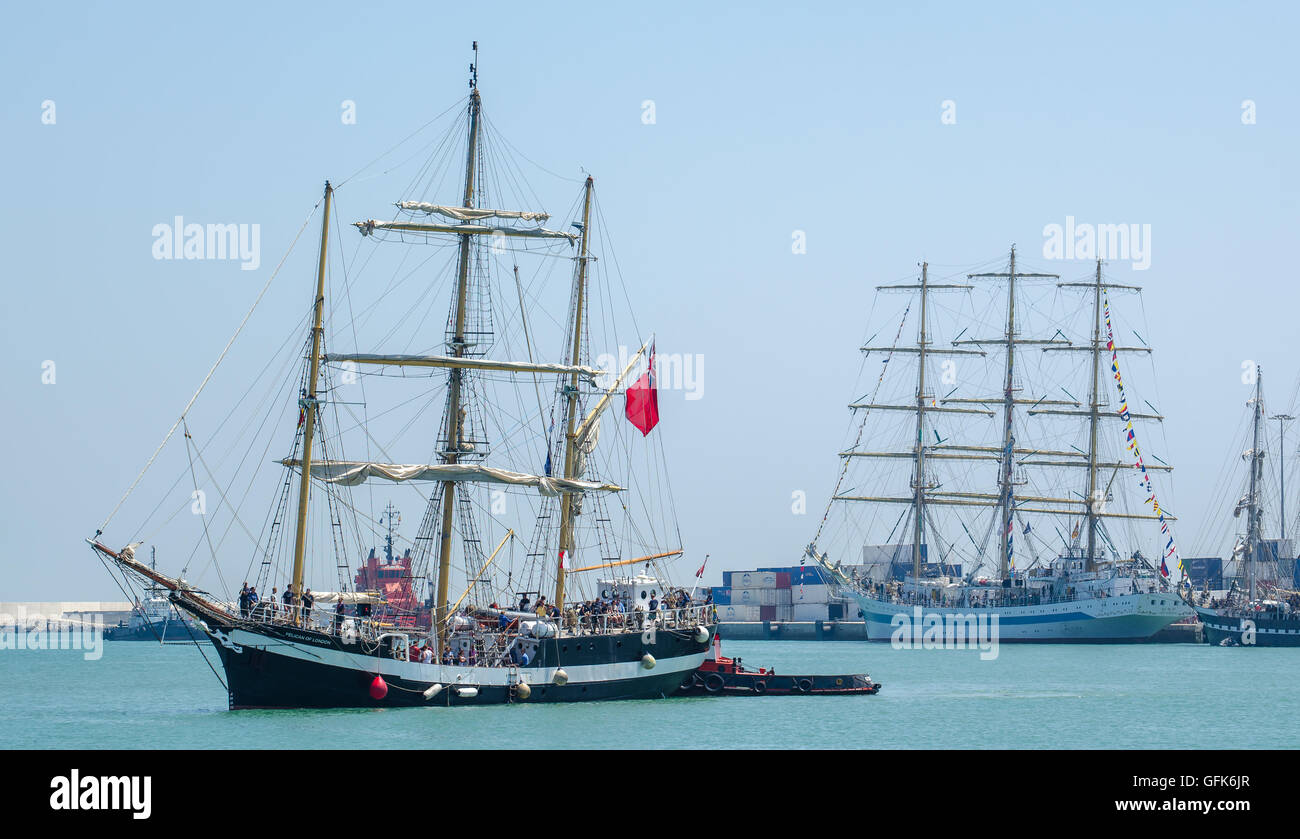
[(141, 695)]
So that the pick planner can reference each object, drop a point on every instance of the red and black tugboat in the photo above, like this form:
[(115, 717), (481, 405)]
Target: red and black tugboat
[(722, 676)]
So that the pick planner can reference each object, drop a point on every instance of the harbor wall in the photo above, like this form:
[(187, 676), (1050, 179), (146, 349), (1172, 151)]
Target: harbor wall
[(793, 631), (14, 613)]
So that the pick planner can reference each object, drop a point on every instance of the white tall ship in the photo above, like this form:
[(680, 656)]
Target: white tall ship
[(1023, 508)]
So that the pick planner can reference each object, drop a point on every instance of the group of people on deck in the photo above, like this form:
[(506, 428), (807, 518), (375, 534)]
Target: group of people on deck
[(283, 607), (425, 652)]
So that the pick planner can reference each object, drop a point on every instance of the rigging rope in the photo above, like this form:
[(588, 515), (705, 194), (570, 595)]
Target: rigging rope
[(884, 368), (215, 365)]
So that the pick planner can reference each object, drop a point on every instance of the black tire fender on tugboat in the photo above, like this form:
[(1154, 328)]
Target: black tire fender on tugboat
[(805, 685), (760, 687), (714, 683), (692, 681)]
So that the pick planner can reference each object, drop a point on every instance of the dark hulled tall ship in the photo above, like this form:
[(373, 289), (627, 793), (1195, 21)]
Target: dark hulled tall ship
[(504, 461)]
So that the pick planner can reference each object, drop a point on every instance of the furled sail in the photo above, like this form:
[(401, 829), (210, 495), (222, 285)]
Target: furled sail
[(469, 213), (467, 363), (353, 472), (371, 225)]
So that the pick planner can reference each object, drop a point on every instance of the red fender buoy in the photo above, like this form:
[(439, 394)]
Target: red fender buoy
[(378, 688)]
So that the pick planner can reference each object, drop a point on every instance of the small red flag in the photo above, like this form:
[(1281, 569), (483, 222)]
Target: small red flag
[(643, 399)]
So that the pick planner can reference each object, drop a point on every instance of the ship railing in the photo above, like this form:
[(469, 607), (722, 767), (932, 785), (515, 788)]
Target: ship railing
[(986, 602), (605, 623)]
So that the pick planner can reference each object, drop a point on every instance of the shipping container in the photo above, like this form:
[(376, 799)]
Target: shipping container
[(810, 594), (753, 579), (809, 612), (738, 614), (754, 596), (782, 579), (721, 596), (767, 613)]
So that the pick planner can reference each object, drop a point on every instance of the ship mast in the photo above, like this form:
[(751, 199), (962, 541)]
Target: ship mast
[(1282, 419), (1094, 408), (571, 391), (1006, 501), (1095, 502), (308, 402), (458, 346), (918, 452), (1253, 511), (1008, 406), (918, 483)]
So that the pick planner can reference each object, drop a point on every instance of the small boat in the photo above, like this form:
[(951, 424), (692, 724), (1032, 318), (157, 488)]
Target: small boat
[(722, 676), (154, 618)]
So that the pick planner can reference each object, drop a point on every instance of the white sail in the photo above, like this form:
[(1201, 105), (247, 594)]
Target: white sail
[(371, 225), (469, 213), (353, 472), (467, 363)]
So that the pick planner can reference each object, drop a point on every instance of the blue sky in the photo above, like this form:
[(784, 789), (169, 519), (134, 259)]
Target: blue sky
[(769, 119)]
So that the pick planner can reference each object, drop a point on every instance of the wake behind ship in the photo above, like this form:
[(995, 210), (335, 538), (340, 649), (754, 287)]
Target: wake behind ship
[(1035, 483)]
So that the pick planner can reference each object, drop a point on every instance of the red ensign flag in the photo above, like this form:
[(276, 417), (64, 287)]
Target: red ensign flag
[(643, 399)]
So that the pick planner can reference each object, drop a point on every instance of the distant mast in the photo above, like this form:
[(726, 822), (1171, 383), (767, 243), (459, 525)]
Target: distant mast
[(1094, 411), (1253, 512), (918, 487), (1006, 503)]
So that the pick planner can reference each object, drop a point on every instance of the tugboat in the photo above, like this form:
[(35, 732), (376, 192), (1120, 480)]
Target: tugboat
[(722, 676)]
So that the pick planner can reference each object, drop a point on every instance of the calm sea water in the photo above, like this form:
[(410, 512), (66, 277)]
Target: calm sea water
[(140, 695)]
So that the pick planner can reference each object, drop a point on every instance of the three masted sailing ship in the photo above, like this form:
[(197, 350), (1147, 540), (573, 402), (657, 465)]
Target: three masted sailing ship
[(611, 629), (1091, 590)]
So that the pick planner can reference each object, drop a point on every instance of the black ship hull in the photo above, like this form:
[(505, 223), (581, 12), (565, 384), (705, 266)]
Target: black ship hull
[(1256, 631), (281, 666)]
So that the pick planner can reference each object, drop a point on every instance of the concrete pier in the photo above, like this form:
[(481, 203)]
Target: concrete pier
[(793, 631)]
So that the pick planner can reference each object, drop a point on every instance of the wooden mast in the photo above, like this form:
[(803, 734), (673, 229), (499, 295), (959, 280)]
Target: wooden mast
[(570, 437), (308, 402), (919, 486), (1094, 503), (458, 345)]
